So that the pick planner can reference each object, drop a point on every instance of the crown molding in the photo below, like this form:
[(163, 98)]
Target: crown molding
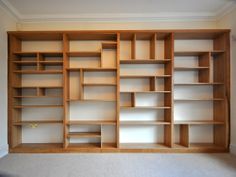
[(124, 17)]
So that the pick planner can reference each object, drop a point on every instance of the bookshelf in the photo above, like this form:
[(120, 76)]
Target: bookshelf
[(119, 91)]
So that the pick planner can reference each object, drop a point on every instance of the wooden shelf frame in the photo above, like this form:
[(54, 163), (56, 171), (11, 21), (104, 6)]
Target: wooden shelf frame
[(112, 40)]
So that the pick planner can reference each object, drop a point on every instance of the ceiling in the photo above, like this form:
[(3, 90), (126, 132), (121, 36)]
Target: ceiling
[(117, 9)]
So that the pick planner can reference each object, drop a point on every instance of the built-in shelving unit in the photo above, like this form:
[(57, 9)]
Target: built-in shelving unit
[(119, 91)]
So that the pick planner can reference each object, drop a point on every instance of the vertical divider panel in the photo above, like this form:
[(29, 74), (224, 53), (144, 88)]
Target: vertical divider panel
[(133, 99), (133, 47), (14, 132), (81, 87), (221, 67), (153, 46), (169, 53), (204, 61), (65, 89), (184, 135), (118, 92)]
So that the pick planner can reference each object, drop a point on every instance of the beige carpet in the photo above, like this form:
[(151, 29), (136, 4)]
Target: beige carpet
[(118, 165)]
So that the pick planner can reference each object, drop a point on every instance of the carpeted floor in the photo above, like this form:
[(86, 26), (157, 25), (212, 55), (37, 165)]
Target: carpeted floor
[(118, 165)]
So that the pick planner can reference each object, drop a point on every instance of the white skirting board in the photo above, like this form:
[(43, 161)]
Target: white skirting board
[(233, 149), (3, 150)]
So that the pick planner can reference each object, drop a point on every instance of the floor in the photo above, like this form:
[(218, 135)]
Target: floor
[(118, 165)]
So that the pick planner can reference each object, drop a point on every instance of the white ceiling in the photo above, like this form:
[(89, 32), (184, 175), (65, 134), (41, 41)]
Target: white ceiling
[(117, 9)]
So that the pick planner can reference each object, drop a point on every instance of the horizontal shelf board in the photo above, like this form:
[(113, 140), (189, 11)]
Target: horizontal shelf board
[(145, 91), (92, 69), (200, 83), (179, 146), (199, 122), (145, 61), (145, 107), (35, 53), (144, 76), (99, 84), (84, 54), (205, 145), (25, 54), (197, 53), (199, 99), (84, 145), (84, 135), (52, 63), (144, 123), (109, 45), (143, 146), (108, 145), (37, 122), (189, 68), (102, 100), (51, 54), (190, 53), (35, 87), (91, 122), (38, 72), (36, 146), (38, 106), (26, 63), (217, 52), (34, 96)]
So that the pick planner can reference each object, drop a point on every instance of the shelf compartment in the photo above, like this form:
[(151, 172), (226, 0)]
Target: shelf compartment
[(145, 61), (26, 54), (91, 122), (92, 69), (38, 71), (84, 135), (84, 145), (151, 92), (27, 122), (199, 99), (99, 84), (84, 54), (145, 107), (145, 76), (198, 83), (92, 100), (190, 68), (109, 45), (143, 146), (38, 147), (197, 53), (198, 122), (144, 123), (38, 106)]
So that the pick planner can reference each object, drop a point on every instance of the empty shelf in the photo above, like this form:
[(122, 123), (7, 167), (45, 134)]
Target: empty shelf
[(84, 54), (37, 122), (91, 122), (92, 69), (144, 123), (145, 76), (84, 135), (190, 68), (145, 107), (145, 61), (38, 106), (199, 122)]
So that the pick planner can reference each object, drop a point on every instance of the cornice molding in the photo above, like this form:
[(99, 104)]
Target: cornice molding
[(125, 17)]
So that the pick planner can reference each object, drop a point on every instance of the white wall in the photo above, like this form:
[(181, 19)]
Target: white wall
[(228, 21), (7, 22)]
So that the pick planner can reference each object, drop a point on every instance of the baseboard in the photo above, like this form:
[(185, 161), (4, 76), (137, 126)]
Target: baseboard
[(3, 150), (233, 149)]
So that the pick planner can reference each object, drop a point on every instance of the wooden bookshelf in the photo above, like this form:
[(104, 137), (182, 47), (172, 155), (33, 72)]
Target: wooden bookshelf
[(94, 89)]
